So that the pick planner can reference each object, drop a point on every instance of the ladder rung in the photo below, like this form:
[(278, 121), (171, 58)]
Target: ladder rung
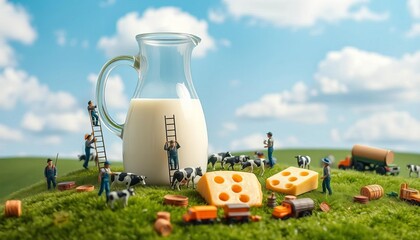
[(171, 136)]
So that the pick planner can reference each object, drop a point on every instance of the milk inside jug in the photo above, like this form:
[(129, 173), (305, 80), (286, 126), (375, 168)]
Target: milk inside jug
[(165, 108)]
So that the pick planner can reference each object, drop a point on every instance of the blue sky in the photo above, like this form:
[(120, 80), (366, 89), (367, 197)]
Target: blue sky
[(318, 74)]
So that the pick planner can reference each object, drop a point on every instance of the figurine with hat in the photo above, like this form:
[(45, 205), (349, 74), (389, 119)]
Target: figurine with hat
[(89, 140), (104, 178), (269, 144), (326, 178), (50, 173)]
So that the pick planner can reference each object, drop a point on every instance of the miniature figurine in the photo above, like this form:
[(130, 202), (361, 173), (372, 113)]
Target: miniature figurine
[(184, 176), (231, 161), (272, 200), (259, 155), (218, 157), (93, 113), (172, 148), (294, 208), (128, 179), (303, 161), (410, 195), (120, 195), (200, 214), (254, 163), (88, 146), (50, 173), (104, 176), (327, 176), (269, 144), (372, 159), (413, 169)]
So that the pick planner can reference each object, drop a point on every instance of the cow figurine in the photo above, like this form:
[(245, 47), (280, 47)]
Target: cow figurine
[(303, 161), (218, 157), (128, 179), (184, 176), (235, 160), (413, 169), (121, 196), (254, 163)]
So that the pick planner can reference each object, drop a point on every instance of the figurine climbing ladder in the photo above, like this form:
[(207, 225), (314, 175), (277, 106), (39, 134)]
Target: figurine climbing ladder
[(99, 143), (170, 130)]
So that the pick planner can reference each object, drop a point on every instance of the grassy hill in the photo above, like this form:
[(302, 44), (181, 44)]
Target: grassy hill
[(72, 215), (20, 172)]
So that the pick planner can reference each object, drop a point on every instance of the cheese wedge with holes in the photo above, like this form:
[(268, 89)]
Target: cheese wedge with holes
[(221, 187), (293, 181)]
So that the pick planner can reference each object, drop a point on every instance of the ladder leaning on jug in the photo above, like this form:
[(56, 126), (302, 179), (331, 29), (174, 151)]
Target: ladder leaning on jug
[(99, 143), (170, 133)]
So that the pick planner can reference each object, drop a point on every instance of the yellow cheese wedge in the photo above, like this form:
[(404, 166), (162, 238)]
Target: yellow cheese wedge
[(293, 181), (221, 187)]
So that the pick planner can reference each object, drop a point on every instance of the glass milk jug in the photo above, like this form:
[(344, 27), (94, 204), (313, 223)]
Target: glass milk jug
[(164, 91)]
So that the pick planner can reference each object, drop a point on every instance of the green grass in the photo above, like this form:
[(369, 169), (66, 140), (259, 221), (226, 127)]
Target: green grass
[(17, 173), (72, 215)]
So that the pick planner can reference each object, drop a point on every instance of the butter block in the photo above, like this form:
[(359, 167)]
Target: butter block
[(293, 181), (222, 187)]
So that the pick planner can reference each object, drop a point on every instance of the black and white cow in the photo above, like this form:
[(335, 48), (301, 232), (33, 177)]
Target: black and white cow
[(218, 157), (128, 179), (184, 176), (121, 196), (254, 163), (413, 169), (231, 161), (303, 161)]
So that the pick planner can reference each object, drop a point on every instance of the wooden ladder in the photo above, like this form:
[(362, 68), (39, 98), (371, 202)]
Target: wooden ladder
[(99, 143), (170, 131)]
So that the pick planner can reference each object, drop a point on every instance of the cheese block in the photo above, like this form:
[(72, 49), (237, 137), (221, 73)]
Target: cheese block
[(293, 181), (222, 187)]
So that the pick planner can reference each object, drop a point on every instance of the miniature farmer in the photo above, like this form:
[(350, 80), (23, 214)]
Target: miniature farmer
[(326, 178), (88, 146), (50, 173), (93, 113), (269, 143), (104, 178), (172, 148)]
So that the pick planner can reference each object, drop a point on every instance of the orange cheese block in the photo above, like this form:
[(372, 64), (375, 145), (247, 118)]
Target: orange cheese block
[(293, 181), (221, 187)]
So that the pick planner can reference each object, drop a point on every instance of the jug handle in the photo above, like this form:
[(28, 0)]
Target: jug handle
[(109, 122)]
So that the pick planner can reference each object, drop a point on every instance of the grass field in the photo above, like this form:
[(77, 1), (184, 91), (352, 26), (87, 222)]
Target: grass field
[(72, 215), (17, 173)]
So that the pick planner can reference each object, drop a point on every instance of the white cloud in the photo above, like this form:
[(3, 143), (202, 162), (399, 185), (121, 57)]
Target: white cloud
[(414, 8), (53, 140), (69, 121), (291, 105), (9, 134), (21, 29), (253, 141), (302, 13), (18, 86), (335, 135), (114, 92), (61, 37), (107, 3), (414, 31), (227, 128), (165, 19), (368, 74), (396, 126), (216, 16)]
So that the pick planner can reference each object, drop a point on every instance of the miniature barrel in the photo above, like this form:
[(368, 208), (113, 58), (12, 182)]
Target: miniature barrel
[(164, 215), (163, 227), (372, 191), (13, 208), (374, 154)]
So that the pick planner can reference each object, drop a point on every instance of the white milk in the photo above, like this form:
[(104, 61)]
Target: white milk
[(144, 137)]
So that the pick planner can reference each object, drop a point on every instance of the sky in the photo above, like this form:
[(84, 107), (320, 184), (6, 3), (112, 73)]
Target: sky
[(318, 74)]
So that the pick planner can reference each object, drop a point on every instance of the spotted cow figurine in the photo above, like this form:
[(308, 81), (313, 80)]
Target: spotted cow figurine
[(184, 176), (303, 161), (127, 179), (413, 169), (218, 157), (121, 196)]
